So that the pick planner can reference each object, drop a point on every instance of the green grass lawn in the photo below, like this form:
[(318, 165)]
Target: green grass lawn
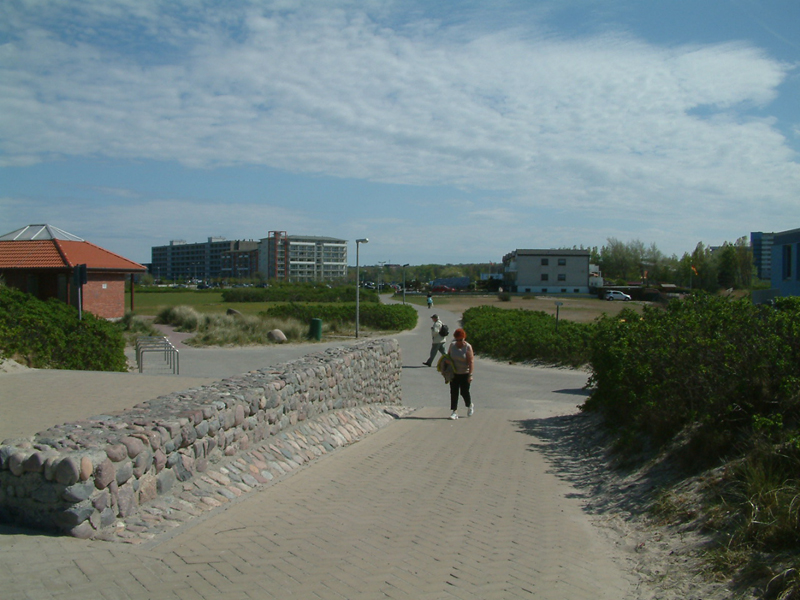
[(210, 302), (149, 304)]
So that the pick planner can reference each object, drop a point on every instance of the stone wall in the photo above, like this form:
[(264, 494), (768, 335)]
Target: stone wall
[(80, 477)]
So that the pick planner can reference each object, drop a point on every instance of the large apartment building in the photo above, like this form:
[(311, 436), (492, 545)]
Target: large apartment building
[(279, 256), (204, 260), (761, 244), (786, 262), (302, 258)]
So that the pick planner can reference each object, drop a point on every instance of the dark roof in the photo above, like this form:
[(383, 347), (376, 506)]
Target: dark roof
[(553, 252)]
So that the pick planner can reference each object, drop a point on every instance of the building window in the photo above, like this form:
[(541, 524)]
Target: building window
[(787, 262), (545, 262), (545, 276), (797, 271), (544, 290), (562, 262), (562, 277)]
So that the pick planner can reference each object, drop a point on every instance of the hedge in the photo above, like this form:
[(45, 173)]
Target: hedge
[(48, 334), (524, 335), (388, 317)]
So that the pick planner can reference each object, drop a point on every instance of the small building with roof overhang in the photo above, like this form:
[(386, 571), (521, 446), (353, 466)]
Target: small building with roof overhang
[(42, 260)]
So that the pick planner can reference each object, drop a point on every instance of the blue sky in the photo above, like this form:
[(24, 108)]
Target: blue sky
[(445, 132)]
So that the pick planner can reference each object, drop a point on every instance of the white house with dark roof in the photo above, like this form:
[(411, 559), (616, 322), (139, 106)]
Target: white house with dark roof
[(547, 271)]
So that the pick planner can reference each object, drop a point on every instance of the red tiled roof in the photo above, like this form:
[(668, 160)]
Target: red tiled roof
[(59, 254)]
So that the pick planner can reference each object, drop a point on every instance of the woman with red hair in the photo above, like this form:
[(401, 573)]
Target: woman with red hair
[(464, 361)]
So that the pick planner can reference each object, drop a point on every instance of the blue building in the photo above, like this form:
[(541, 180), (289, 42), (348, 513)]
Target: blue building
[(786, 262), (761, 245)]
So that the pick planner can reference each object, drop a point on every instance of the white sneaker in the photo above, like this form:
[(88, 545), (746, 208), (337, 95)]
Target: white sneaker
[(454, 416), (471, 410)]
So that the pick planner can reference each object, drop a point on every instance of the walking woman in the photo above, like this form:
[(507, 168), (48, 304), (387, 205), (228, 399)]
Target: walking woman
[(464, 361)]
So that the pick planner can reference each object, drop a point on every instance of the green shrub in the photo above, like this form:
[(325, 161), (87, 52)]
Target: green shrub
[(48, 334), (523, 335), (183, 318), (299, 292), (133, 326), (707, 361), (387, 317)]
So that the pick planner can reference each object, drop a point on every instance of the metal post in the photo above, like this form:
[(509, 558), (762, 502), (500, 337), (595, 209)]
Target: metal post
[(558, 305), (404, 282), (358, 282)]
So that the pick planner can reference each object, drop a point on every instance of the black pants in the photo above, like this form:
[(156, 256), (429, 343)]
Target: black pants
[(460, 383)]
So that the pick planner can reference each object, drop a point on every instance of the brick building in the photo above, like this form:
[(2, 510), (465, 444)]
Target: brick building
[(42, 260)]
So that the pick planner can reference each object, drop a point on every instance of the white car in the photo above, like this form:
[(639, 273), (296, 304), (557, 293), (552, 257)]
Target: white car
[(617, 295)]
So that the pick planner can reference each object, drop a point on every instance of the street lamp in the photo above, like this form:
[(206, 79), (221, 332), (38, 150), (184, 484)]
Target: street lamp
[(404, 282), (358, 282)]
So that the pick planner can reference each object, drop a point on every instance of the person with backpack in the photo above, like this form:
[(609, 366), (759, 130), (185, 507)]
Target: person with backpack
[(439, 333), (463, 359)]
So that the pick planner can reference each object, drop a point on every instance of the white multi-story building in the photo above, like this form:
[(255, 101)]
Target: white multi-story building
[(302, 258), (547, 271)]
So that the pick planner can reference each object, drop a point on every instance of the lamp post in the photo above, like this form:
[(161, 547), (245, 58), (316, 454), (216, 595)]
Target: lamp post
[(558, 305), (358, 282), (404, 282)]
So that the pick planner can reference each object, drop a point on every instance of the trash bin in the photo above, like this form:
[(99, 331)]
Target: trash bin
[(315, 331)]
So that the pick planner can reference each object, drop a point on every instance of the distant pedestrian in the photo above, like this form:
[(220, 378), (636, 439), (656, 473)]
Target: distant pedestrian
[(437, 339), (430, 300), (463, 358)]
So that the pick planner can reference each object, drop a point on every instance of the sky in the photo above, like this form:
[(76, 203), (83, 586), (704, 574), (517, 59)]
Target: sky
[(453, 131)]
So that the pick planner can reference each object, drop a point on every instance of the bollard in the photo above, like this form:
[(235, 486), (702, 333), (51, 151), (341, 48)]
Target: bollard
[(315, 331)]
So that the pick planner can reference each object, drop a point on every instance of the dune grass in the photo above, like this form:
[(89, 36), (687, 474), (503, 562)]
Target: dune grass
[(229, 329)]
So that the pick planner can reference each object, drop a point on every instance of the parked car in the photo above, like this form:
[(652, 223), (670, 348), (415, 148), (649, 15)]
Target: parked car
[(442, 288), (617, 295)]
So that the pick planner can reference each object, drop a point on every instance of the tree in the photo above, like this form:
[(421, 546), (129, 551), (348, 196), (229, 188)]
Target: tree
[(744, 255), (626, 261), (727, 263)]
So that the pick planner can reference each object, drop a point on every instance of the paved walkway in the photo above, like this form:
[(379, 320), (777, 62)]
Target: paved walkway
[(425, 508)]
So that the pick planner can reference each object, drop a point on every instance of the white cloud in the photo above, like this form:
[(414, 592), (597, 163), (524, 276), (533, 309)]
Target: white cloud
[(609, 125)]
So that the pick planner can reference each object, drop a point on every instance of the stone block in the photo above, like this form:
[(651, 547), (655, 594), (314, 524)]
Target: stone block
[(68, 471), (117, 452), (148, 489), (78, 492), (134, 446), (15, 463), (126, 500), (124, 471), (159, 460), (74, 515), (87, 468), (104, 474), (142, 463), (165, 480)]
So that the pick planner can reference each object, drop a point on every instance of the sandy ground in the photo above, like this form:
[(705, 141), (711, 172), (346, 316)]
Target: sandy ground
[(579, 309), (11, 366)]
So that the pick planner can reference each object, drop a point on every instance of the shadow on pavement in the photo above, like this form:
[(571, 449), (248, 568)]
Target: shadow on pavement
[(577, 447), (574, 392)]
